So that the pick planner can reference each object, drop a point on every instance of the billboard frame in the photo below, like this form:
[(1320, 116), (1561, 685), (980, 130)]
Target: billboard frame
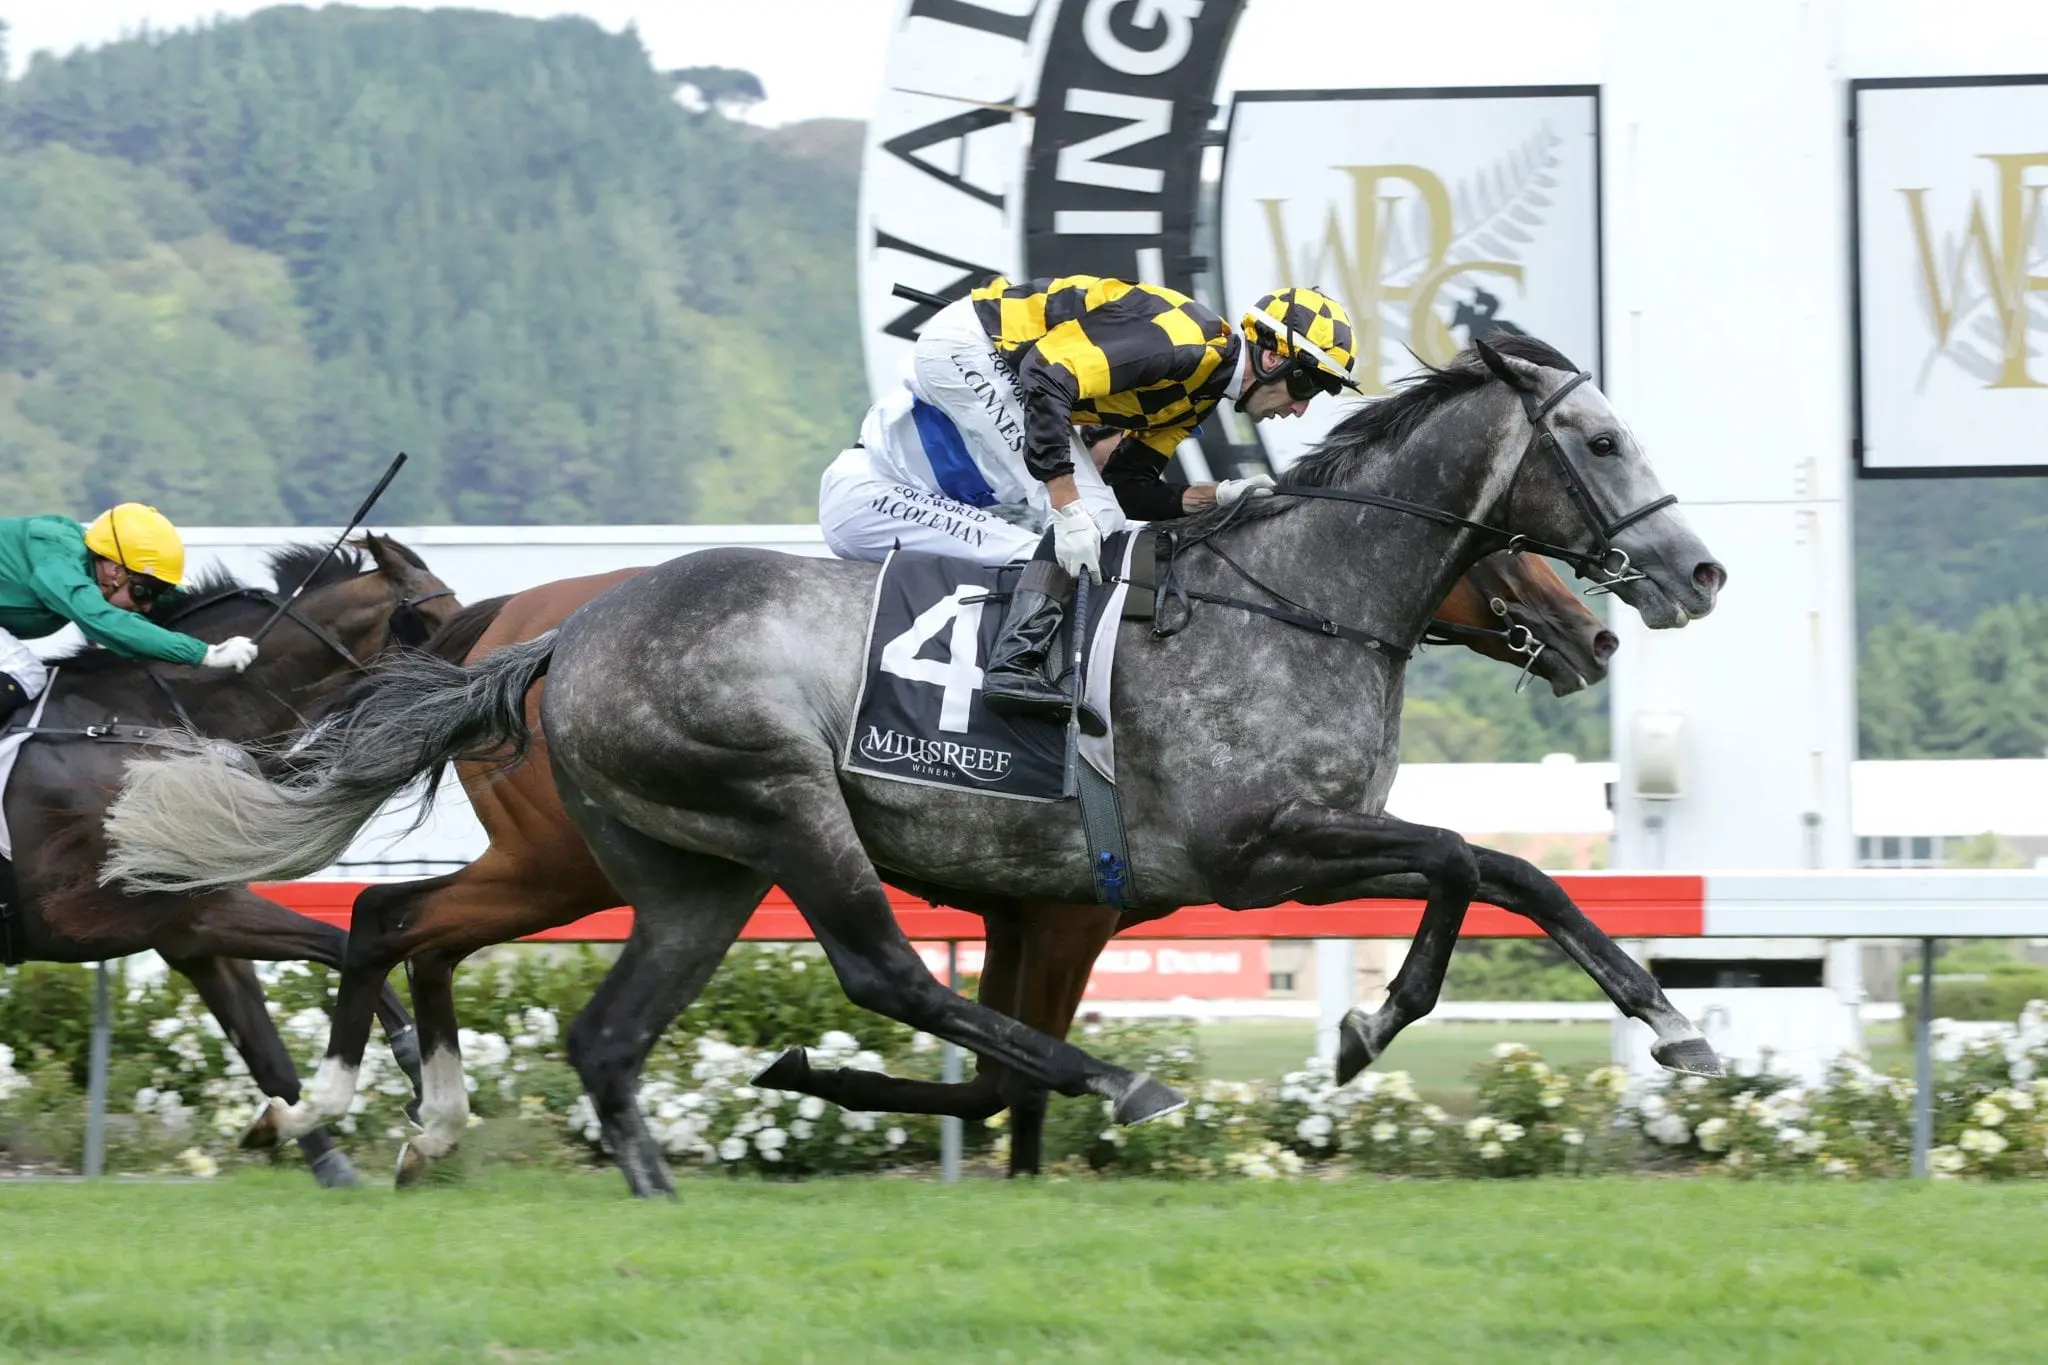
[(1857, 423), (1457, 92)]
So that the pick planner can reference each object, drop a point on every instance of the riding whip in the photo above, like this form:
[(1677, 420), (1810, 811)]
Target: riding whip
[(355, 521), (910, 295)]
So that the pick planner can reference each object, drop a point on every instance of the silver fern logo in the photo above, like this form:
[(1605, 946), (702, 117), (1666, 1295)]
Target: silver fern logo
[(1419, 259)]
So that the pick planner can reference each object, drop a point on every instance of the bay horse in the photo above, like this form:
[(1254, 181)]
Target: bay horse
[(695, 711), (101, 710)]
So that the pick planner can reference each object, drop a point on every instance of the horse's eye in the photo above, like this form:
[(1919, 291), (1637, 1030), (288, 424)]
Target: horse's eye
[(1603, 445)]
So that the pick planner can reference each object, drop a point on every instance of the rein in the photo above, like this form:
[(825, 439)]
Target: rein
[(1607, 562)]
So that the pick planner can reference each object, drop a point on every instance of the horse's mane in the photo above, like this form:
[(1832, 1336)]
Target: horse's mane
[(1385, 423), (176, 611), (291, 563)]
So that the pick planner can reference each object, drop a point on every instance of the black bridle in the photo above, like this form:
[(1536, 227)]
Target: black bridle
[(1607, 562)]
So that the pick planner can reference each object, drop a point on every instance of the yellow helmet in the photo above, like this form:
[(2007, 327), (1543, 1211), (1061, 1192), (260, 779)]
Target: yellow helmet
[(1306, 326), (141, 539)]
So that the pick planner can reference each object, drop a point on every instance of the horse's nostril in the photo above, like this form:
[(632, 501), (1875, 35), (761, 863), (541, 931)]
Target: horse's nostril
[(1604, 645), (1709, 576)]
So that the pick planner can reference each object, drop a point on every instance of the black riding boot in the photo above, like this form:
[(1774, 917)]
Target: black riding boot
[(1016, 681), (1019, 679)]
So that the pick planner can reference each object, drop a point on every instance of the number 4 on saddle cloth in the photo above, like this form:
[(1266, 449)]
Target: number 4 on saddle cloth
[(921, 719)]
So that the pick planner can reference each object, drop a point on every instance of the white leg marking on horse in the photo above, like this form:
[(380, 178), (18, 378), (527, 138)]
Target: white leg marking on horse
[(444, 1103), (326, 1099)]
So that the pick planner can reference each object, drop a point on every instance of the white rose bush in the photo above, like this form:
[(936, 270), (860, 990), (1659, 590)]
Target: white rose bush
[(701, 1105), (180, 1097)]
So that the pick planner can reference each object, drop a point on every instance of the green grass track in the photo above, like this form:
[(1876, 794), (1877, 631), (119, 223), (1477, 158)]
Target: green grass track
[(535, 1267)]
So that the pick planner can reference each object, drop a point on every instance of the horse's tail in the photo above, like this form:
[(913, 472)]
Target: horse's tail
[(194, 822)]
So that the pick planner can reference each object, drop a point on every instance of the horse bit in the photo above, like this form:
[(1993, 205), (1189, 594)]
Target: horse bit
[(1514, 637)]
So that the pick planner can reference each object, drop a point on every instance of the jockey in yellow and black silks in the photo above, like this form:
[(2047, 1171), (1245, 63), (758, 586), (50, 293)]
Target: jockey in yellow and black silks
[(976, 453)]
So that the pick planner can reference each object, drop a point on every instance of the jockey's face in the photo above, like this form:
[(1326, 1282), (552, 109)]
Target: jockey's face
[(1265, 397), (1271, 399), (116, 584)]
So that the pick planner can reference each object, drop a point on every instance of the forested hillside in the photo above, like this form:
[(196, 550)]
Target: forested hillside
[(243, 265)]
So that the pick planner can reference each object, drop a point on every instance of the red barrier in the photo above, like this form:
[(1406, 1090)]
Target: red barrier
[(1651, 905)]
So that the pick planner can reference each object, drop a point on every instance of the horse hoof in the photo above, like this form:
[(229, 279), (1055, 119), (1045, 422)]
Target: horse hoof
[(411, 1166), (265, 1129), (787, 1072), (1354, 1053), (1689, 1056), (1147, 1099), (335, 1171)]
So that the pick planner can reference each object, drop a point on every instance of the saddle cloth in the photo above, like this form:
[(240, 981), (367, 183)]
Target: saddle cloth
[(10, 749), (920, 717)]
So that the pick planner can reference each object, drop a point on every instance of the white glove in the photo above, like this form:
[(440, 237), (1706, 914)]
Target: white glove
[(237, 654), (1230, 490), (1077, 541)]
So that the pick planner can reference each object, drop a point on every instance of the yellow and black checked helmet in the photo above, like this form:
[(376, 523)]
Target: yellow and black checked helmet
[(1308, 327)]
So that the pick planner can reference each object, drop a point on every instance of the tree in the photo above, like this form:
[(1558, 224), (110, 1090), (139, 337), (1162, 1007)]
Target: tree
[(504, 248), (727, 89)]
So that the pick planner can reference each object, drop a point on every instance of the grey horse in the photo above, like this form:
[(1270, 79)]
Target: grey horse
[(696, 712)]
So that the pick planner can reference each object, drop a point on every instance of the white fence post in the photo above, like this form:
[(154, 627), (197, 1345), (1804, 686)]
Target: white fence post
[(949, 1071), (96, 1078), (1336, 990), (1923, 1063)]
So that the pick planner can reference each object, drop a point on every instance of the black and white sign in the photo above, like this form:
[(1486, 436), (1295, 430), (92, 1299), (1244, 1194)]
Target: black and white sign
[(1095, 107), (1124, 98)]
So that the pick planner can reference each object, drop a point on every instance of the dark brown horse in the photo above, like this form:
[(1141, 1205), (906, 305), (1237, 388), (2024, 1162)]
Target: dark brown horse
[(102, 710), (538, 874)]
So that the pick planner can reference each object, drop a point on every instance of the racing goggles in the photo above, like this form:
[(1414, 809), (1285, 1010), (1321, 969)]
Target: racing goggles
[(1305, 379)]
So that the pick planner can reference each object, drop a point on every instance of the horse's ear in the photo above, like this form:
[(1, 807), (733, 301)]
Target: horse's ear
[(402, 568), (1516, 374)]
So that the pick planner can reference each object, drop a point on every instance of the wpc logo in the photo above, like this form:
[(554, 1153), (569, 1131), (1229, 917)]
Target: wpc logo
[(1985, 290), (1415, 243)]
